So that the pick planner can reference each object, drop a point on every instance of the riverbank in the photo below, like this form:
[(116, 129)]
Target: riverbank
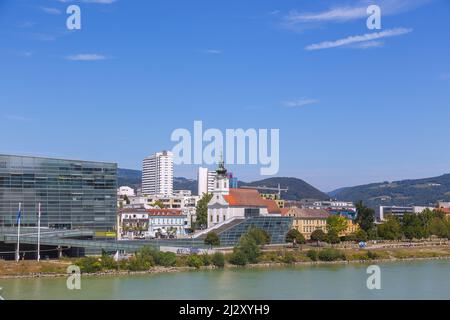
[(269, 259)]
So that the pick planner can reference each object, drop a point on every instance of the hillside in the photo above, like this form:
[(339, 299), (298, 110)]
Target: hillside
[(298, 189), (405, 192)]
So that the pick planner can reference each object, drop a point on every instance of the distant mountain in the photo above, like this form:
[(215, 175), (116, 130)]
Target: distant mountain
[(133, 179), (298, 189), (185, 184), (401, 193), (130, 178)]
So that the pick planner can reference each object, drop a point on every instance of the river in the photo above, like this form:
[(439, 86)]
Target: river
[(399, 280)]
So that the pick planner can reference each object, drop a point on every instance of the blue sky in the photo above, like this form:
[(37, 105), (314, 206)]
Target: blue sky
[(348, 112)]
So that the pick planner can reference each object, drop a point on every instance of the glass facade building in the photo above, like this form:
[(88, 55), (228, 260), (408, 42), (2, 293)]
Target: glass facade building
[(73, 194), (276, 227)]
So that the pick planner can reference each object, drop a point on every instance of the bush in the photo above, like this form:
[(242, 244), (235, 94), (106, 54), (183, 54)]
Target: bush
[(288, 258), (361, 236), (206, 259), (313, 255), (218, 259), (194, 261), (108, 262), (238, 258), (89, 265), (331, 255), (166, 259), (140, 263), (372, 255)]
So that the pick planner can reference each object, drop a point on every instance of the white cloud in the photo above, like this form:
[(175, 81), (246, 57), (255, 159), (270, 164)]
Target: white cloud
[(359, 39), (16, 118), (213, 51), (300, 103), (51, 10), (369, 45), (86, 57), (349, 13), (100, 1)]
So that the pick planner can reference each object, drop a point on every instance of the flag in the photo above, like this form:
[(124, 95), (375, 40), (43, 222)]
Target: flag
[(19, 213)]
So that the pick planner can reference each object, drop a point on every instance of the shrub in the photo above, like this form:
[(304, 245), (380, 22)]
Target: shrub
[(313, 255), (238, 258), (288, 258), (361, 236), (206, 259), (331, 255), (140, 263), (218, 259), (166, 259), (89, 264), (194, 261), (372, 255), (108, 262)]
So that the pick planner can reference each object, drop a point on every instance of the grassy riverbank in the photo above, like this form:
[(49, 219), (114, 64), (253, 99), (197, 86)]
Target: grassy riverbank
[(307, 256)]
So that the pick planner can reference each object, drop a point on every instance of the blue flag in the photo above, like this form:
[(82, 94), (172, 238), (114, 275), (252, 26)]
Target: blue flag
[(18, 216)]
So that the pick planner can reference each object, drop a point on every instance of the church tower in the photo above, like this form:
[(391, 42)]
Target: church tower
[(222, 183)]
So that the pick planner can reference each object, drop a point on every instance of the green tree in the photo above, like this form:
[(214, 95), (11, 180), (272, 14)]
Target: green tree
[(212, 239), (318, 235), (439, 228), (250, 248), (260, 236), (218, 259), (412, 226), (294, 236), (333, 237), (159, 204), (337, 223), (202, 212), (365, 217), (361, 236), (391, 229)]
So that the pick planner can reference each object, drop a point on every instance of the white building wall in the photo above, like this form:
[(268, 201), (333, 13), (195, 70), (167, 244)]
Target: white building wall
[(157, 174)]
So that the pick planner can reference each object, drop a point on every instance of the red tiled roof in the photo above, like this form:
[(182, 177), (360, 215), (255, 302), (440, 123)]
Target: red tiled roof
[(284, 211), (250, 198)]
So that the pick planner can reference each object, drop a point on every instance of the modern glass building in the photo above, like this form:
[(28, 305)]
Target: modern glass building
[(276, 227), (74, 195)]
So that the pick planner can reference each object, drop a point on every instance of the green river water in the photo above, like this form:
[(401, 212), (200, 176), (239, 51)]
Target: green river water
[(399, 280)]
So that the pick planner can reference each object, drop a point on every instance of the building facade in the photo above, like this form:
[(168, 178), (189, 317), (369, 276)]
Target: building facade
[(73, 194), (306, 221), (205, 179), (157, 174)]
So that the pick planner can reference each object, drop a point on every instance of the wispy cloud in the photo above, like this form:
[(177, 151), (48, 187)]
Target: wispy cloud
[(90, 1), (369, 45), (445, 76), (359, 39), (86, 57), (13, 117), (300, 103), (213, 51), (51, 10), (349, 13)]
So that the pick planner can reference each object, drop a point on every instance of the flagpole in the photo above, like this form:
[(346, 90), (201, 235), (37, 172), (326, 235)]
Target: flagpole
[(39, 235), (18, 233)]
